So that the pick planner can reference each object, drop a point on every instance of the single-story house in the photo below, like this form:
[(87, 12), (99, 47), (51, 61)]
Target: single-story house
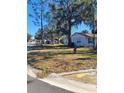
[(82, 39)]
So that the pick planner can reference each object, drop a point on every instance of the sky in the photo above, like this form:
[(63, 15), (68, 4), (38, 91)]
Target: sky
[(32, 29)]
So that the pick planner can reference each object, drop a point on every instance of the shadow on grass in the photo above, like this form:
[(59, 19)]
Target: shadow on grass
[(85, 58), (49, 47), (50, 54), (33, 56), (46, 54)]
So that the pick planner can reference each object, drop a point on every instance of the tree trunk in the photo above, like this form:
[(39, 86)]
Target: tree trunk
[(94, 27), (94, 42), (69, 25), (52, 38), (94, 37), (69, 35), (41, 16)]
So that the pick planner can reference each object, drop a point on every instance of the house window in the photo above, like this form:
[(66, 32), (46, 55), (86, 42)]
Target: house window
[(90, 40)]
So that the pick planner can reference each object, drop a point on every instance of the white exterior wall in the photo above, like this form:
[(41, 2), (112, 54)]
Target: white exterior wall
[(79, 40)]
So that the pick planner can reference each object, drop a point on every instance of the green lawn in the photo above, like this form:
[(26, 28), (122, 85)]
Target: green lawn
[(57, 60)]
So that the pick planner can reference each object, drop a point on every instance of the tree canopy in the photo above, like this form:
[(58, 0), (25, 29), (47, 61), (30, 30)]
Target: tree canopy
[(62, 15), (29, 36)]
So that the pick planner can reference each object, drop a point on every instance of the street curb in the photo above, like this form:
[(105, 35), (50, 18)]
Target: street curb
[(67, 84)]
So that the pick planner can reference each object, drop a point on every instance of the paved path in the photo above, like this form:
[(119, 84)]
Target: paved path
[(48, 85), (37, 86)]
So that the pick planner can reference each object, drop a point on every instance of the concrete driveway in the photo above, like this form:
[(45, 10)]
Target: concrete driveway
[(37, 86)]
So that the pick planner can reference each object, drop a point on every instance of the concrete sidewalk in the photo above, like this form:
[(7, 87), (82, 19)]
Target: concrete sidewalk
[(55, 83), (70, 85)]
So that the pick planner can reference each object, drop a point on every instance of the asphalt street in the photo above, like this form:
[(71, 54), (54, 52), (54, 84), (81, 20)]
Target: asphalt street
[(37, 86)]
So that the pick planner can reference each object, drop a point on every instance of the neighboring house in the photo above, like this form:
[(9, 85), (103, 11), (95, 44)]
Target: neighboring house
[(31, 43), (81, 39)]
